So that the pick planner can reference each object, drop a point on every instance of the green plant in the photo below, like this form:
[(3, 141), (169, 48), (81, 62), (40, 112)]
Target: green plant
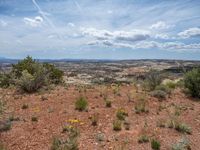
[(161, 123), (30, 75), (184, 128), (55, 75), (5, 125), (108, 103), (81, 104), (171, 84), (155, 144), (121, 114), (94, 119), (182, 144), (153, 79), (192, 82), (163, 88), (24, 106), (2, 104), (117, 125), (34, 119), (127, 125), (5, 80), (100, 137), (56, 144), (159, 94), (143, 139), (141, 106)]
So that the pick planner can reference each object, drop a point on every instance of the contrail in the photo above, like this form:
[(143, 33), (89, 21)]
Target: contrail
[(46, 18), (77, 5)]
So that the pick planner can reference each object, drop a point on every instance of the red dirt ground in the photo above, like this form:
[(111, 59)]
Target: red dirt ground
[(28, 135)]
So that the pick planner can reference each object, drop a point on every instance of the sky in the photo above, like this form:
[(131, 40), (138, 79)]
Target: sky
[(100, 29)]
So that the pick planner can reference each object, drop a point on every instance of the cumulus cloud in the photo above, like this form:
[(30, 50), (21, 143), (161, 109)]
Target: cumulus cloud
[(191, 32), (33, 22), (160, 25), (128, 36)]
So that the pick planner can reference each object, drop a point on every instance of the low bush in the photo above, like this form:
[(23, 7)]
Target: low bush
[(155, 144), (152, 80), (182, 144), (159, 94), (5, 80), (81, 104), (141, 106), (121, 114), (143, 139), (192, 82), (30, 75), (184, 128), (117, 125)]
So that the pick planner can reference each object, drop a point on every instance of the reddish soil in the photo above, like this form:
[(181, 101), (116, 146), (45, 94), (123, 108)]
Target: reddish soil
[(54, 113)]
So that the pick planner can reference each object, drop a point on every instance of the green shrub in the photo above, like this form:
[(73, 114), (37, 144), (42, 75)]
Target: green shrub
[(5, 80), (117, 125), (34, 119), (141, 106), (192, 82), (81, 104), (183, 144), (163, 88), (5, 125), (31, 83), (55, 75), (31, 75), (94, 119), (71, 143), (143, 139), (159, 94), (171, 84), (153, 79), (121, 114), (1, 107), (24, 106), (184, 128), (108, 103), (155, 144)]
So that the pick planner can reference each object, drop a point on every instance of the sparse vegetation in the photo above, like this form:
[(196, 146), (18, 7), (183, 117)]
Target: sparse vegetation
[(81, 103)]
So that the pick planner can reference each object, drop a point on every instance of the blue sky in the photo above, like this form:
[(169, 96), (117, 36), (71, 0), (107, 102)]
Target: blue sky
[(100, 29)]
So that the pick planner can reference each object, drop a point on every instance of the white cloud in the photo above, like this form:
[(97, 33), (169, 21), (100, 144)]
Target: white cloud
[(176, 46), (191, 32), (70, 24), (161, 36), (160, 25), (3, 23), (131, 36), (35, 22)]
